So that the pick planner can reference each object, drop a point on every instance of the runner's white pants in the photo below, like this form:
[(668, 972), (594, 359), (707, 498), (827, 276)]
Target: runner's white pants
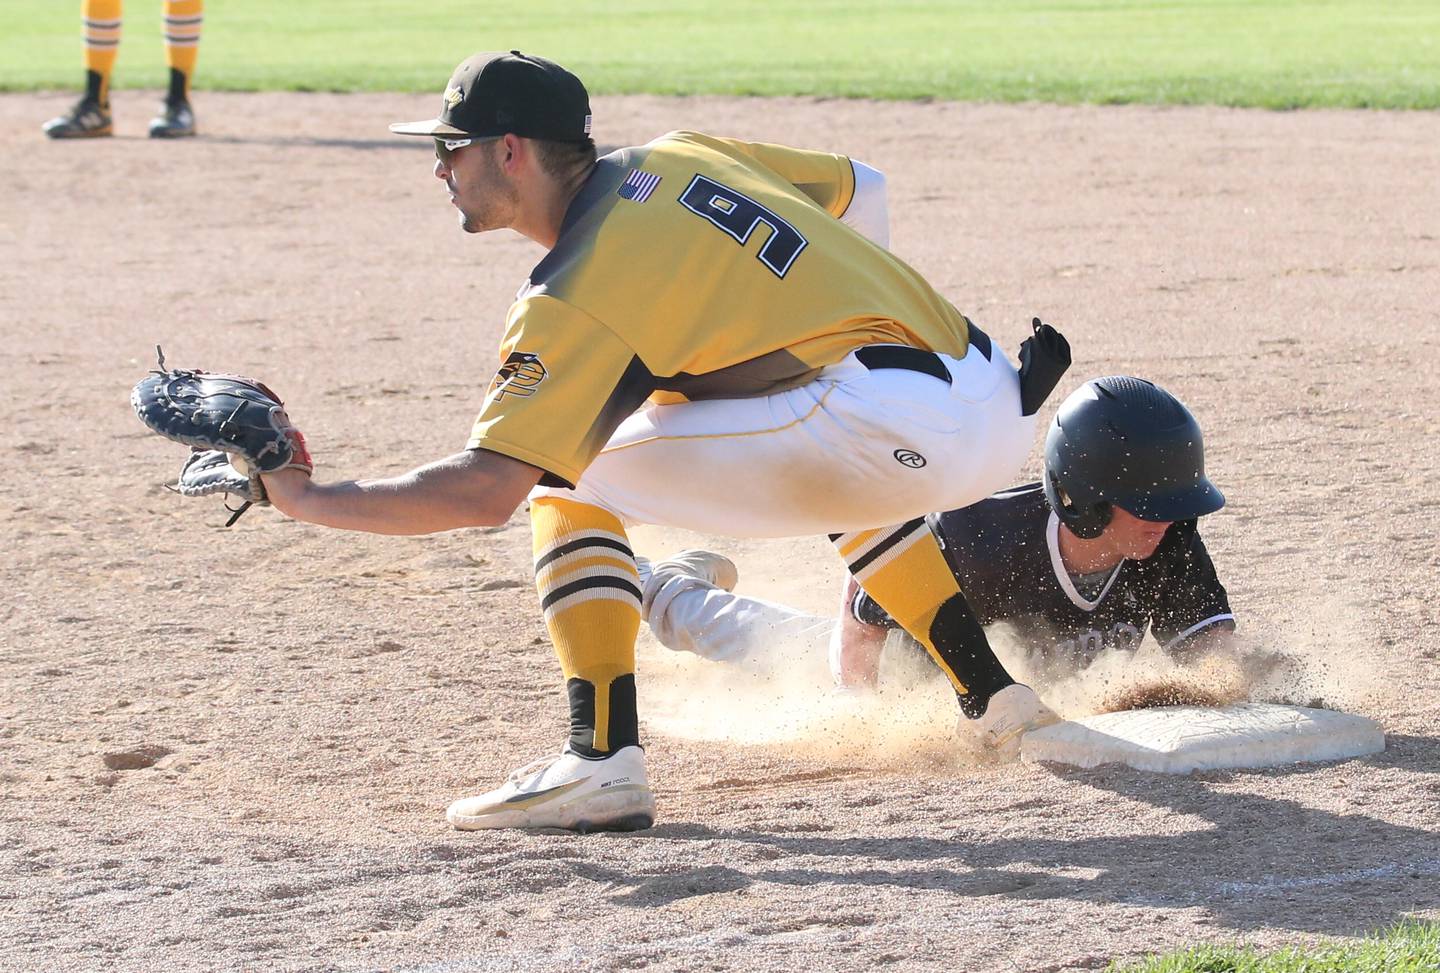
[(851, 450), (688, 614)]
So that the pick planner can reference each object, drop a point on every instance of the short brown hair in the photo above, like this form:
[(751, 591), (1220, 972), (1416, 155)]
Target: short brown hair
[(560, 159)]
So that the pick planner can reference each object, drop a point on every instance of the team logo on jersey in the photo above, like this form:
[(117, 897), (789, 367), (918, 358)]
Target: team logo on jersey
[(638, 186), (1080, 651), (910, 458), (521, 374)]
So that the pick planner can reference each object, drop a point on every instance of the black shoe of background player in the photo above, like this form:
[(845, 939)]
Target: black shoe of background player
[(88, 119), (175, 121)]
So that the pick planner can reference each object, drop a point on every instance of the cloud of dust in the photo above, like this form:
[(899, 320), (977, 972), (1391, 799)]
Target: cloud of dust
[(787, 699), (1328, 657), (1335, 658)]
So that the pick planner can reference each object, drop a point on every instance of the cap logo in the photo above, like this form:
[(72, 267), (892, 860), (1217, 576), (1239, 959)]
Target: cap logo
[(453, 97), (587, 124)]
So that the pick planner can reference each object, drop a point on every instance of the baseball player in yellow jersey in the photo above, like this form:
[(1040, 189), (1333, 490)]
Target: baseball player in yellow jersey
[(708, 344)]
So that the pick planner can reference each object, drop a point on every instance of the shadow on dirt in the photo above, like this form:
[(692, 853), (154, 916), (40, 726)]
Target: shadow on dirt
[(1264, 862)]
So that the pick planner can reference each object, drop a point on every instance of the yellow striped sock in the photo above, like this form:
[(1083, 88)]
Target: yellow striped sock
[(100, 23), (904, 569), (182, 22), (590, 593)]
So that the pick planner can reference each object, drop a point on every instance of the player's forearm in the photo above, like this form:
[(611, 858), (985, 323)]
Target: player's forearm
[(445, 495), (394, 505), (855, 647), (855, 655)]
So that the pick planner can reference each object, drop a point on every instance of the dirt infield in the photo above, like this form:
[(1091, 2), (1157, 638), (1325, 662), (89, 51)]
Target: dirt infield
[(232, 749)]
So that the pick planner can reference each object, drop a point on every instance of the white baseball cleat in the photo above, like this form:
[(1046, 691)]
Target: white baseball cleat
[(706, 566), (567, 791), (1011, 713)]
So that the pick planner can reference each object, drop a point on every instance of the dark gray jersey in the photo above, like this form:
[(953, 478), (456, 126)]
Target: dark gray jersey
[(1006, 557)]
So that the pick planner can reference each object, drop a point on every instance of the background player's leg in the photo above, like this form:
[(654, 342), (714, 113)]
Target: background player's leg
[(590, 593), (102, 20), (90, 117), (904, 570), (182, 22)]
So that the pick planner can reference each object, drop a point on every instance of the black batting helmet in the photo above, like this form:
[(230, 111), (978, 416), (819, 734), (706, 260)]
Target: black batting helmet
[(1122, 441)]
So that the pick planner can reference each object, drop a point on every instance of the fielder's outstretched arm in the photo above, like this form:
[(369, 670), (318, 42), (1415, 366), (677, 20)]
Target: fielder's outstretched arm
[(474, 488)]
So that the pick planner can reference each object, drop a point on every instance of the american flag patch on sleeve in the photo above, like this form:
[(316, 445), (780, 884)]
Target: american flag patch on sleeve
[(638, 186)]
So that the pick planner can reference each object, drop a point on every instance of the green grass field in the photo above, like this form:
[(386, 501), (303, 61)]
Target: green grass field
[(1272, 53), (1410, 947)]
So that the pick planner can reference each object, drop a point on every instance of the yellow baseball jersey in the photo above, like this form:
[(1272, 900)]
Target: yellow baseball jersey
[(695, 268)]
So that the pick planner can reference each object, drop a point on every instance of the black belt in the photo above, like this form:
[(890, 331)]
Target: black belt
[(876, 357), (979, 339)]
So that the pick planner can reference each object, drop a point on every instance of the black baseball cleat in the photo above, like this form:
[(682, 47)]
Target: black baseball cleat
[(175, 121), (88, 119)]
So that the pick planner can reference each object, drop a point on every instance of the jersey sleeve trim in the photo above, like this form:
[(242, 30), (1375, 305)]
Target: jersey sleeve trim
[(867, 611), (555, 475), (848, 188), (1212, 620), (856, 607)]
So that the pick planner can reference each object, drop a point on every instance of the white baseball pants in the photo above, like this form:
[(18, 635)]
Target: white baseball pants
[(851, 450), (688, 614)]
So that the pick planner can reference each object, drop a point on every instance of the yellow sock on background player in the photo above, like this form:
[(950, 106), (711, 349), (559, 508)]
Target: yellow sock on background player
[(90, 116), (101, 21), (590, 593), (182, 21)]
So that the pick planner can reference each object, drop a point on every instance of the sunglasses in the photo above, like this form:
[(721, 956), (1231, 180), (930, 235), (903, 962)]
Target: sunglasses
[(445, 149)]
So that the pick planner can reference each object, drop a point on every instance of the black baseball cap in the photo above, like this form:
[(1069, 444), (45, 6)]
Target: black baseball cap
[(501, 92)]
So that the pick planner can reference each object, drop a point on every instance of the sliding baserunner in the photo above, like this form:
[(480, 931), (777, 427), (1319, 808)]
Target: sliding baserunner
[(1104, 550)]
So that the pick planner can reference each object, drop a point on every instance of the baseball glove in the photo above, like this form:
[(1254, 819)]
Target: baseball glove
[(236, 427)]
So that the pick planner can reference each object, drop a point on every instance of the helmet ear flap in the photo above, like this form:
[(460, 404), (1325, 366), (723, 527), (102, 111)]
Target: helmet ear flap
[(1082, 521), (1091, 523)]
